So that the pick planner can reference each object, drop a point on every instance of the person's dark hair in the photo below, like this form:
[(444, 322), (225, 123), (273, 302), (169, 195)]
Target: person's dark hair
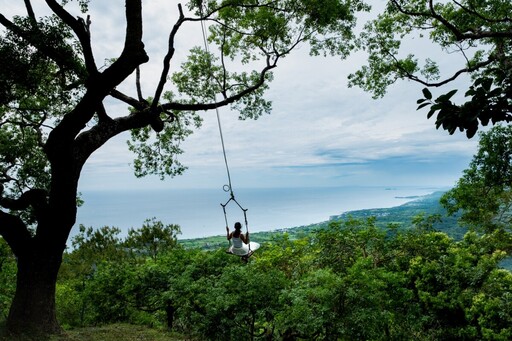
[(238, 226)]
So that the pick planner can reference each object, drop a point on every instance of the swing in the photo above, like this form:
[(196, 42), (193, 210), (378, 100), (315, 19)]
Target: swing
[(243, 250), (246, 250)]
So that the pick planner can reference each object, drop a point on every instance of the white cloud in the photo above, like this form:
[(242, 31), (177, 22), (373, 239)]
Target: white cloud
[(316, 122)]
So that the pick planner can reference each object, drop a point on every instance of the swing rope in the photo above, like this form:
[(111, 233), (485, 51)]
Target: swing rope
[(229, 186)]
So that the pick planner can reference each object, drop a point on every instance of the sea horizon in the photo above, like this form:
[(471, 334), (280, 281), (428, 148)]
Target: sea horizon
[(199, 212)]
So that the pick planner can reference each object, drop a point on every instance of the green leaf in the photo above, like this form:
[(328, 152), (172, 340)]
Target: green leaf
[(427, 93), (450, 94), (470, 132), (422, 106)]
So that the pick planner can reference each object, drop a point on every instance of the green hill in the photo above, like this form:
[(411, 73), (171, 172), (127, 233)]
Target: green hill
[(400, 215)]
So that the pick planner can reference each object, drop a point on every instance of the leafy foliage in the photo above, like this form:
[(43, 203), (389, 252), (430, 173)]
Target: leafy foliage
[(487, 104), (153, 238), (352, 280), (483, 192), (478, 31), (7, 278)]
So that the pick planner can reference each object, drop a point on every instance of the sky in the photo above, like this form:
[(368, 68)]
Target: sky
[(320, 132)]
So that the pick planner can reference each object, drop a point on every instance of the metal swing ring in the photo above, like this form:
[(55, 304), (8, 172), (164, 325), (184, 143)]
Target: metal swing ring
[(226, 188)]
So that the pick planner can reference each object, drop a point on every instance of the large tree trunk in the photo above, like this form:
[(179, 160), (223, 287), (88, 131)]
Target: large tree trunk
[(33, 307)]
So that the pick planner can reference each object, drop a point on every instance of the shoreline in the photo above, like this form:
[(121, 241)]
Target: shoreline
[(199, 213), (415, 200)]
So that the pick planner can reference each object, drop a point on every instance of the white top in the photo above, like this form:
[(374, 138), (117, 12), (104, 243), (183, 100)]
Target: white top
[(237, 242)]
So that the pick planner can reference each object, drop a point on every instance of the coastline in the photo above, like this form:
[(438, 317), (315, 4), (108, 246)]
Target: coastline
[(400, 215), (199, 213)]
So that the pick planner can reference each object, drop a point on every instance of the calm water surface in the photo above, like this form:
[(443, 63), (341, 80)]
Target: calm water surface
[(199, 213)]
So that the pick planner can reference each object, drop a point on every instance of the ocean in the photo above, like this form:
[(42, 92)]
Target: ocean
[(199, 212)]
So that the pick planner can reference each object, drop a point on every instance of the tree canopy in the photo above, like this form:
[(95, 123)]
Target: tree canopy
[(483, 193), (55, 106), (478, 32)]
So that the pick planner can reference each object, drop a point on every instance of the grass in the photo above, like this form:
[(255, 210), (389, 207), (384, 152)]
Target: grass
[(114, 332)]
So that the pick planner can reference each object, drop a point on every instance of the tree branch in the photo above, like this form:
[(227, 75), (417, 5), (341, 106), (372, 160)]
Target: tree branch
[(406, 12), (30, 11), (88, 141), (102, 114), (133, 53), (81, 30), (137, 85), (446, 23), (452, 28), (101, 86), (412, 77), (475, 13), (240, 5), (138, 105), (227, 100), (35, 198), (167, 59), (15, 233), (432, 14)]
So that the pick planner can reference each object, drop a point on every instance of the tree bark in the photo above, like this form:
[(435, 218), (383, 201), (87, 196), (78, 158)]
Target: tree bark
[(32, 310), (169, 311)]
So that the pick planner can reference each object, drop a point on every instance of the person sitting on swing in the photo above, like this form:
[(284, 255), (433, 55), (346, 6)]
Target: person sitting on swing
[(241, 244)]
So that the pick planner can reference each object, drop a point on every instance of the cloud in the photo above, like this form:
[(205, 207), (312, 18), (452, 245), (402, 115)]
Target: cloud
[(320, 131)]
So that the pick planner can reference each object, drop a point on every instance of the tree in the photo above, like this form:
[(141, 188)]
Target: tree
[(310, 307), (483, 194), (91, 247), (293, 257), (54, 112), (453, 287), (480, 32), (343, 242), (491, 307), (153, 238), (241, 303), (99, 283)]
